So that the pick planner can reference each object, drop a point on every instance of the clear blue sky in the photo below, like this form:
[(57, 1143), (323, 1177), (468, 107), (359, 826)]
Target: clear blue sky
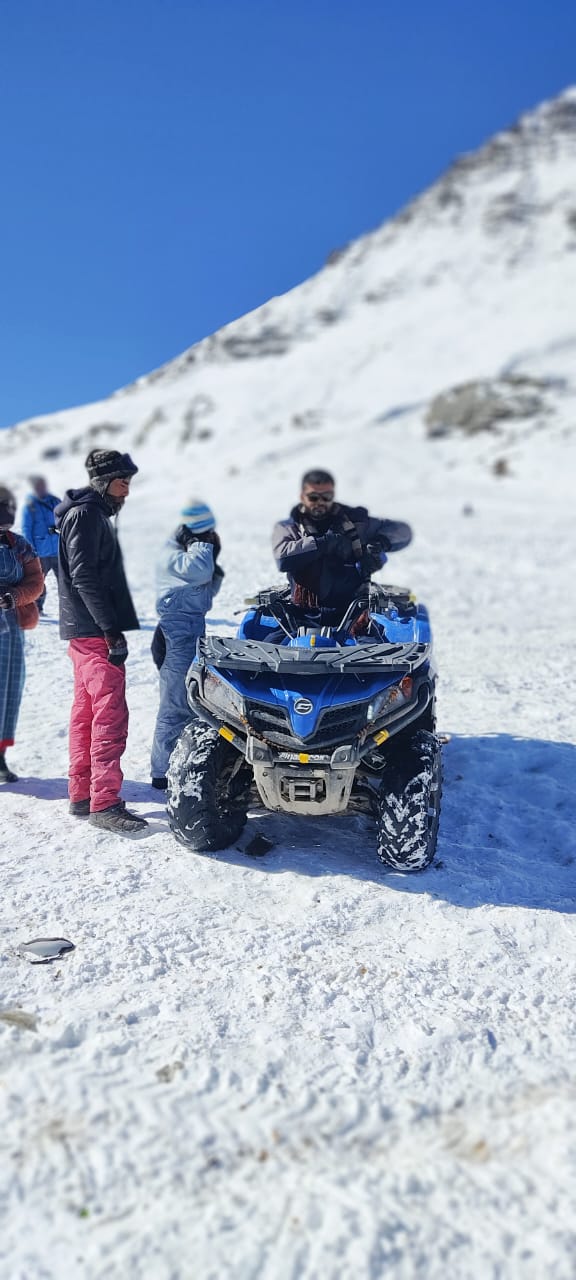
[(168, 165)]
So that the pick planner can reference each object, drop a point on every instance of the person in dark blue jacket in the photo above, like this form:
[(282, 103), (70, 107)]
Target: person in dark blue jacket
[(38, 528)]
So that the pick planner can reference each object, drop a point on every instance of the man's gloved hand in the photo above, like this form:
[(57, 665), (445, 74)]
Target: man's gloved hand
[(218, 571), (336, 545), (376, 551), (6, 601), (117, 648)]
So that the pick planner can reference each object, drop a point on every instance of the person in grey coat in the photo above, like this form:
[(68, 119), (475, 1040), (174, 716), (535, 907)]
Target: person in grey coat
[(328, 550), (187, 579)]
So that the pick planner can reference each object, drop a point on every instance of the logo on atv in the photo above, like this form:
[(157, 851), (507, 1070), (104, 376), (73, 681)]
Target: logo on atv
[(303, 706)]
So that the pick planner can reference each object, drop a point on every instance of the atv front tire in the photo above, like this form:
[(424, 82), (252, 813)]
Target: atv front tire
[(208, 790), (409, 805)]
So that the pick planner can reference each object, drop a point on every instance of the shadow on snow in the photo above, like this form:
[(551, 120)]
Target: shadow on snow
[(57, 789), (507, 831)]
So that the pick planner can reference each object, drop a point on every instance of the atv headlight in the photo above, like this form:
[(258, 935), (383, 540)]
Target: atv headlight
[(222, 698), (394, 696)]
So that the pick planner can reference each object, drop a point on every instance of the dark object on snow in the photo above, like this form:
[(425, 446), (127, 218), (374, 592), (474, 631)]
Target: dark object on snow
[(258, 845), (160, 784), (158, 647), (43, 950), (118, 818), (501, 467)]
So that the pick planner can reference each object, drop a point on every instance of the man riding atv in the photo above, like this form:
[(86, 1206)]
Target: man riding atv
[(323, 702), (329, 550)]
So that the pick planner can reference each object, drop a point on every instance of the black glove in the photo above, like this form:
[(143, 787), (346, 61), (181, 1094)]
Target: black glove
[(336, 545), (6, 601), (184, 536), (117, 649), (374, 551), (218, 571), (158, 647)]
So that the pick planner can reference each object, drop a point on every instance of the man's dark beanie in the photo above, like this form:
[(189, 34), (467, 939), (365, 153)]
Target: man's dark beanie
[(104, 465)]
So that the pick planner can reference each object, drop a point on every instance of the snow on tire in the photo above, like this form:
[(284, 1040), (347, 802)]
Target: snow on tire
[(208, 789), (409, 806)]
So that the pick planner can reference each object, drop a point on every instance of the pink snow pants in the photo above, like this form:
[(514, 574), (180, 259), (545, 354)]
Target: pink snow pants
[(98, 725)]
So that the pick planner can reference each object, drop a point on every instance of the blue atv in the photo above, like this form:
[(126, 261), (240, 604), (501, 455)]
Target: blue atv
[(322, 717)]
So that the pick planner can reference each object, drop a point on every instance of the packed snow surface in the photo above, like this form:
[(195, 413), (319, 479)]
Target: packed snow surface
[(301, 1066)]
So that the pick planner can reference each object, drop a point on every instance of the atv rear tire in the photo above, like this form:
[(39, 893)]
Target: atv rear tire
[(208, 790), (409, 805)]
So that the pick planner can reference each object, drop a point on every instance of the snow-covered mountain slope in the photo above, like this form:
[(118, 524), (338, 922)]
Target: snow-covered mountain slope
[(475, 278), (299, 1067)]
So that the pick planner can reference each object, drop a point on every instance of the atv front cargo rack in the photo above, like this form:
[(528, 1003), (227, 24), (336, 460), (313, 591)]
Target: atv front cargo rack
[(257, 655)]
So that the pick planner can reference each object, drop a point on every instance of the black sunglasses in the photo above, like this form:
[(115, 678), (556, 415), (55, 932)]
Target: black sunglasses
[(319, 497)]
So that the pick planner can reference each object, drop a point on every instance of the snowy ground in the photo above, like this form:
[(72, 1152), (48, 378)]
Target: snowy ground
[(300, 1067)]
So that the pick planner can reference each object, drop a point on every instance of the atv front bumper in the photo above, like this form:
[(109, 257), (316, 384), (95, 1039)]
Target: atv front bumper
[(304, 789)]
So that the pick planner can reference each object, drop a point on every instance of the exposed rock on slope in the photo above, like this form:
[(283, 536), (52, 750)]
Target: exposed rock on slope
[(482, 405)]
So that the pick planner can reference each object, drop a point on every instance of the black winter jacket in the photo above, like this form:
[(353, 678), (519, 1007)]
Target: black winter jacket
[(315, 572), (94, 594)]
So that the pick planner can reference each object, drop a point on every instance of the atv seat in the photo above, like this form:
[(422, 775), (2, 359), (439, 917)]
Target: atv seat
[(275, 617)]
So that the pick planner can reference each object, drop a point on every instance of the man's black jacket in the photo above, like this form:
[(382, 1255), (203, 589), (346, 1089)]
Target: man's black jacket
[(93, 591), (327, 579)]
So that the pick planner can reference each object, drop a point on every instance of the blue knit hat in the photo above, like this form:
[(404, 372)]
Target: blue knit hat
[(198, 516)]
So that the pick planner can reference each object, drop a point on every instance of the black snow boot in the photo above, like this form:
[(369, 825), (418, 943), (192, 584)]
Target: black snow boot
[(6, 774), (161, 784), (118, 818), (79, 808)]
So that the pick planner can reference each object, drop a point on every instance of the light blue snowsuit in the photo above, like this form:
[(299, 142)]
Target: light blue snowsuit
[(186, 585)]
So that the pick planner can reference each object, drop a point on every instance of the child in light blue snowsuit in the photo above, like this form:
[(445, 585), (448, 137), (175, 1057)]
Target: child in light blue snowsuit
[(187, 579)]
